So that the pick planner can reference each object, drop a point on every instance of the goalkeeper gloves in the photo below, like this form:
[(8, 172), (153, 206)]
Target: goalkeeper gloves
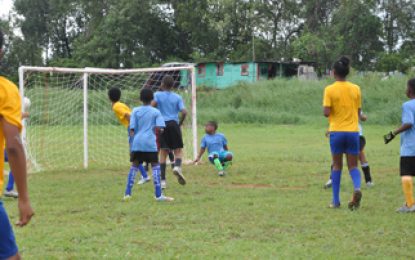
[(388, 137)]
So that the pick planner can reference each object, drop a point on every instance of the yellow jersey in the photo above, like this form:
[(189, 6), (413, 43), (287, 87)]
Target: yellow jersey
[(11, 111), (344, 100), (120, 110)]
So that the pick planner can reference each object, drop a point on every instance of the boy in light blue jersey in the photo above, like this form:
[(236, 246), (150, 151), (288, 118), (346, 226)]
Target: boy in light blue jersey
[(217, 147), (143, 123), (170, 105), (407, 164)]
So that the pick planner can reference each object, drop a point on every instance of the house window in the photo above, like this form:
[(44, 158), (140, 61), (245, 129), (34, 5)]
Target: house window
[(201, 70), (245, 70), (220, 67)]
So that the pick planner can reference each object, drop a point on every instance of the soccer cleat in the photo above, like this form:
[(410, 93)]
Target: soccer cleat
[(406, 209), (334, 206), (177, 171), (143, 180), (165, 198), (328, 184), (163, 184), (355, 203), (11, 194), (127, 198), (370, 184), (221, 173)]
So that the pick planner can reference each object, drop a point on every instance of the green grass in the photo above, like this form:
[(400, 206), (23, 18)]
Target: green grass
[(271, 205)]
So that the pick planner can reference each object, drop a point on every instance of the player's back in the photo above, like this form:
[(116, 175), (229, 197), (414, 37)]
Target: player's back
[(10, 110), (344, 99), (214, 143), (170, 105), (143, 121)]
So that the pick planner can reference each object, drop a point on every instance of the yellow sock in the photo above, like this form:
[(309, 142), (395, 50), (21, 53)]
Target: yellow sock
[(407, 187)]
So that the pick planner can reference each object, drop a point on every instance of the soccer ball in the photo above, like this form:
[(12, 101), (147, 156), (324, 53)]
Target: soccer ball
[(26, 103)]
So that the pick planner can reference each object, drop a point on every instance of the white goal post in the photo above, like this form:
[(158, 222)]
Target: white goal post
[(71, 114)]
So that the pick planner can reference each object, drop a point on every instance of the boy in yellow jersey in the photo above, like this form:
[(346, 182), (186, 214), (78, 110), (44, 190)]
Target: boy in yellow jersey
[(123, 113), (407, 131), (342, 106), (10, 127)]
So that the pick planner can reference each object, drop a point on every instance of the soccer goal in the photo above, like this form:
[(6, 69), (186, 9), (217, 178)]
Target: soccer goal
[(71, 123)]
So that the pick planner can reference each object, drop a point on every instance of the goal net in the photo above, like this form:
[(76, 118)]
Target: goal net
[(71, 123)]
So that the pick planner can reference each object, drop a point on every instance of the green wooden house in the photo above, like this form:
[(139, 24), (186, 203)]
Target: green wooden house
[(221, 75)]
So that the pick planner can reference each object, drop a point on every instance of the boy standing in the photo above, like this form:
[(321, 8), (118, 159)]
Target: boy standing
[(10, 127), (217, 147), (170, 105), (123, 112), (143, 123), (407, 131)]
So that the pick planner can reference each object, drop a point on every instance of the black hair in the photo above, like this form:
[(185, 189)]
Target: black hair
[(146, 95), (411, 85), (342, 67), (168, 82), (114, 94), (213, 123), (1, 39)]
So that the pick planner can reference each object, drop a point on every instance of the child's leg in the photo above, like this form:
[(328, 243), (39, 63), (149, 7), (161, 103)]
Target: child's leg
[(142, 171), (171, 158), (10, 183), (131, 178), (226, 159), (407, 187), (214, 159), (365, 167), (156, 179)]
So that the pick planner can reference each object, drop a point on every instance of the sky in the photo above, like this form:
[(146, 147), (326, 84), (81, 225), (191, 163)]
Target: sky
[(5, 6)]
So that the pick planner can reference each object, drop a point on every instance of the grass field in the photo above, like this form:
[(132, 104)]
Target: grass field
[(270, 205)]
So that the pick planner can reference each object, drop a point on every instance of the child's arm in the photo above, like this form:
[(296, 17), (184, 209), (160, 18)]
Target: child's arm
[(199, 156), (183, 116), (127, 116), (17, 161), (25, 115), (225, 147)]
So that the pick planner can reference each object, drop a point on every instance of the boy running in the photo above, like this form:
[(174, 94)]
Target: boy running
[(143, 123), (10, 127), (123, 112), (217, 147), (170, 105), (342, 105), (407, 131)]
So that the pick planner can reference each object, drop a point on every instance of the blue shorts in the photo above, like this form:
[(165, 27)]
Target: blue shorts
[(221, 155), (345, 143), (8, 247), (6, 158)]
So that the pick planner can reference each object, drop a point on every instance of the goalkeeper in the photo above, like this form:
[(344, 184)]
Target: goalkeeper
[(217, 147), (123, 112), (407, 164)]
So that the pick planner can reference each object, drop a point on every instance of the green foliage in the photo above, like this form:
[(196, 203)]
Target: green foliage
[(283, 101)]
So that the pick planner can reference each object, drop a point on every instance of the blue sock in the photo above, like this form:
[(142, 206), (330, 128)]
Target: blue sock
[(355, 174), (336, 178), (10, 183), (131, 180), (143, 171), (156, 180)]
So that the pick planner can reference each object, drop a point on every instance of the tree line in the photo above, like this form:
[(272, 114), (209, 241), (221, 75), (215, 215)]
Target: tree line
[(375, 34)]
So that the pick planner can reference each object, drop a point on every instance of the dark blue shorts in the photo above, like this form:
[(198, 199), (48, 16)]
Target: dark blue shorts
[(8, 247), (345, 143), (6, 158)]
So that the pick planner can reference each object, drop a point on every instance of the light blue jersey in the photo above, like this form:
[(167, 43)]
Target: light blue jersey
[(143, 121), (408, 137), (214, 143), (170, 105)]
